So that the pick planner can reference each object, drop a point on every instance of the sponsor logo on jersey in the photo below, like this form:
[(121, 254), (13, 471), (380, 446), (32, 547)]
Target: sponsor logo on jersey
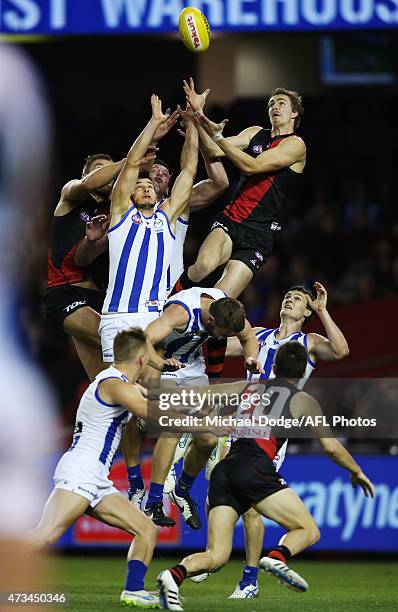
[(257, 148), (74, 305), (158, 225), (275, 226), (136, 219), (84, 216)]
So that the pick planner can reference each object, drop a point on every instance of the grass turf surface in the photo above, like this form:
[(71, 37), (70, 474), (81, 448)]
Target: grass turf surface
[(95, 583)]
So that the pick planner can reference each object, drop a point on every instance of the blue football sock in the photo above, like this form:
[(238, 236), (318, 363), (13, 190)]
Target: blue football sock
[(135, 479), (184, 483), (249, 576), (136, 571), (155, 494)]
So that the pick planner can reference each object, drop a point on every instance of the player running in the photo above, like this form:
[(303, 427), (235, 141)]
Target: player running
[(297, 307), (247, 477), (271, 165), (81, 477), (188, 319)]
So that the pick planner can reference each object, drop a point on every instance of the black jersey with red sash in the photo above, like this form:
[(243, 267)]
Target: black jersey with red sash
[(66, 233), (279, 393), (260, 200)]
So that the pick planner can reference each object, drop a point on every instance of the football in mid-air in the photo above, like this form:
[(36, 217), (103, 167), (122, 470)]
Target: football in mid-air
[(194, 30)]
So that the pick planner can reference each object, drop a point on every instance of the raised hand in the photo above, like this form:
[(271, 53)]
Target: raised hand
[(321, 300), (97, 227), (254, 366), (214, 130), (363, 481), (164, 128), (157, 113), (196, 101), (149, 157), (171, 365)]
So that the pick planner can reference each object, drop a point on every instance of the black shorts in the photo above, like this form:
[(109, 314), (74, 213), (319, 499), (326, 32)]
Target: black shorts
[(60, 302), (240, 481), (252, 247)]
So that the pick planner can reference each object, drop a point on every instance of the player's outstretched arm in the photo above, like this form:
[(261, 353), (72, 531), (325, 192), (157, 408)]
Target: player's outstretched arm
[(303, 404), (290, 151), (77, 190), (125, 184), (197, 102), (234, 347), (205, 192), (182, 188), (249, 343), (333, 347)]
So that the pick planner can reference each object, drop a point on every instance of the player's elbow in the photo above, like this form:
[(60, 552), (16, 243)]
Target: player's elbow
[(331, 447), (342, 352)]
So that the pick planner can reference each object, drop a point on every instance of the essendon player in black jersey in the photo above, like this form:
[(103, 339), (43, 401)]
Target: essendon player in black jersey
[(72, 299), (247, 478), (271, 163)]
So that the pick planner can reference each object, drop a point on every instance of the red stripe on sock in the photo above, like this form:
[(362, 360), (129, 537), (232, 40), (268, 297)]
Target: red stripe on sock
[(276, 554)]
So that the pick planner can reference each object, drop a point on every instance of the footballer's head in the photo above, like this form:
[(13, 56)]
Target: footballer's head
[(130, 346), (290, 361), (93, 162), (227, 317), (144, 194), (295, 304), (160, 176)]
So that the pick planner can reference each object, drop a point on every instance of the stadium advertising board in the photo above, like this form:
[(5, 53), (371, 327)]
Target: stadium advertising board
[(346, 518), (55, 17)]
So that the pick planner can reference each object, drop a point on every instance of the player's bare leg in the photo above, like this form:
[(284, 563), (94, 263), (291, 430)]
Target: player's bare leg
[(83, 325), (195, 460), (247, 587), (214, 252), (235, 278), (221, 525), (62, 509), (131, 443), (288, 510), (116, 511)]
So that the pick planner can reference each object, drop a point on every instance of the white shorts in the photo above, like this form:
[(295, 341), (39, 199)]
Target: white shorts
[(112, 324), (186, 381), (84, 475)]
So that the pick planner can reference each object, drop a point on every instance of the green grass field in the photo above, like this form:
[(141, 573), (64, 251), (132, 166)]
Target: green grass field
[(95, 583)]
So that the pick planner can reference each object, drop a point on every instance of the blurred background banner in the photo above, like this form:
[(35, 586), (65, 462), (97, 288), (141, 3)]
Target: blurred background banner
[(55, 17), (347, 519)]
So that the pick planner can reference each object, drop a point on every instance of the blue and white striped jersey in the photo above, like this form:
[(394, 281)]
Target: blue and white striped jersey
[(176, 267), (269, 344), (98, 426), (186, 346), (140, 253)]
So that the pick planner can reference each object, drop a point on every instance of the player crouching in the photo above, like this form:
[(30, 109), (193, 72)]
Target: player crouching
[(81, 478), (247, 477)]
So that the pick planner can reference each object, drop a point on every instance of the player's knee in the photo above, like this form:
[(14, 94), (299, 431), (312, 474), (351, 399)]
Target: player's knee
[(205, 443), (52, 536), (252, 520), (218, 560), (314, 534), (202, 267)]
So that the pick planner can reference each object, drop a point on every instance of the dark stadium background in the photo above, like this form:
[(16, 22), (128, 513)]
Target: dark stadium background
[(342, 229)]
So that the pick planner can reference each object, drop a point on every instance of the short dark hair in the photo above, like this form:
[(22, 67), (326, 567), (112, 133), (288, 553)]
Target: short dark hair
[(128, 343), (160, 162), (228, 314), (295, 100), (90, 159), (291, 360), (307, 291)]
